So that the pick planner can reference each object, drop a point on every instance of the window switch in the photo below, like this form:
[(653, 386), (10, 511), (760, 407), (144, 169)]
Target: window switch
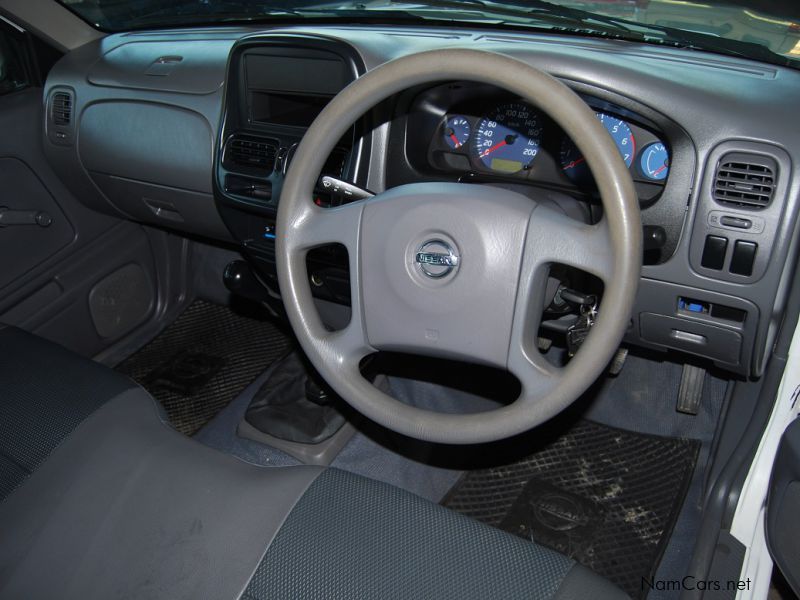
[(714, 252), (744, 255)]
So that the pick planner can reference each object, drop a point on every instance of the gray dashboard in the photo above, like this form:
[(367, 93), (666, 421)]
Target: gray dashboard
[(152, 114)]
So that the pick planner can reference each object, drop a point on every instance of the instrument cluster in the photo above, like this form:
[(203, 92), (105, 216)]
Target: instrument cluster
[(509, 138)]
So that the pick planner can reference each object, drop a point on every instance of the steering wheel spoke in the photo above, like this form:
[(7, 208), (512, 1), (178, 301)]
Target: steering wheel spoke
[(556, 238), (350, 344), (317, 227), (552, 238), (536, 375), (321, 226)]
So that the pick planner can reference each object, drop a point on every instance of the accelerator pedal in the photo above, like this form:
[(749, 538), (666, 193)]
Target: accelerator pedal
[(691, 390)]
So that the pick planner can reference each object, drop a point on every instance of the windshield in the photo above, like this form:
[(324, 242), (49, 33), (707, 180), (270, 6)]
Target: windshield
[(767, 30)]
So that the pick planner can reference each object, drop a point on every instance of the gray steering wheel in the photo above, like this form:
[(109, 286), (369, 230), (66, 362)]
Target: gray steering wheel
[(456, 270)]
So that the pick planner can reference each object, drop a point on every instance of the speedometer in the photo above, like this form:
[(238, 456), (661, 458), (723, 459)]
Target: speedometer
[(507, 139)]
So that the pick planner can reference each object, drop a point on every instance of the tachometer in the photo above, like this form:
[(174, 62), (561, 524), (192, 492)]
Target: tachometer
[(507, 139), (456, 131), (574, 164)]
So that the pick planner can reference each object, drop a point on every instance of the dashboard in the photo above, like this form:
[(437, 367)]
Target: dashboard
[(193, 131)]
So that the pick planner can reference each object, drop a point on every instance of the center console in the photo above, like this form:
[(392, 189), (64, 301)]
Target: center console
[(277, 85)]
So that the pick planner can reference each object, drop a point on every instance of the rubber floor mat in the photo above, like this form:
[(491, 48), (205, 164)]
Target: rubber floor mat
[(604, 496), (201, 362)]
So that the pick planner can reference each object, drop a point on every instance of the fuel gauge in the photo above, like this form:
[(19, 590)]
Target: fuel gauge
[(456, 131)]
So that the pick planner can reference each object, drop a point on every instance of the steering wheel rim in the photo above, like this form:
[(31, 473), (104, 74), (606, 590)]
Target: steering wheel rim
[(611, 250)]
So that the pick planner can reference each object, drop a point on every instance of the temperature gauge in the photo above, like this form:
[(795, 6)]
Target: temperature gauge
[(654, 162), (456, 131)]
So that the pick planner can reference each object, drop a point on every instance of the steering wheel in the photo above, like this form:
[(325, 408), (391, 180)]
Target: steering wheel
[(456, 270)]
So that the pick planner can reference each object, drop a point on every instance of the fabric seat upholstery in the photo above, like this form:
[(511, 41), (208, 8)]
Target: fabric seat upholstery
[(351, 537), (116, 504), (45, 392)]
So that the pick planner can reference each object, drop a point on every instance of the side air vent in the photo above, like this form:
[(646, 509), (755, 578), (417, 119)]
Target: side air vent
[(251, 153), (745, 180), (61, 109), (61, 116)]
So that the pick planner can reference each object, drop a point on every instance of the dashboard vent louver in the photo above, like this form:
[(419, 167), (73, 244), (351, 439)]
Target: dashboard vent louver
[(745, 180), (251, 153), (336, 165), (62, 109)]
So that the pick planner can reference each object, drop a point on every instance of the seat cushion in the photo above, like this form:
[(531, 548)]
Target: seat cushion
[(350, 537), (127, 507), (45, 392)]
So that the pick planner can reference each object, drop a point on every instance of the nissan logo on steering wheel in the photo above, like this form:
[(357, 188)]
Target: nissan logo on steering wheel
[(436, 258)]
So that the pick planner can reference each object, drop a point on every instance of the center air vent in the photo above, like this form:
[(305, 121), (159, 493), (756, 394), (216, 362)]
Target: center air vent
[(746, 180), (336, 164), (61, 109), (252, 153)]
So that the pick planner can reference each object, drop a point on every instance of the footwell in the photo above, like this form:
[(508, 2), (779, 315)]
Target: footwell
[(201, 362), (606, 497)]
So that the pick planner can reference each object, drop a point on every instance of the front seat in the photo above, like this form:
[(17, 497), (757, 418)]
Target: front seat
[(100, 498)]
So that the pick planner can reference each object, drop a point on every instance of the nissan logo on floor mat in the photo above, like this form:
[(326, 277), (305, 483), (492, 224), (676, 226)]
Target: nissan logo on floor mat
[(559, 512), (556, 518), (186, 372)]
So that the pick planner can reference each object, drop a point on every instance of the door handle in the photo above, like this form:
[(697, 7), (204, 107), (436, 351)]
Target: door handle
[(9, 217)]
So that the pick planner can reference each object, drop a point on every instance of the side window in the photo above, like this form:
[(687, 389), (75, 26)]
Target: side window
[(14, 59)]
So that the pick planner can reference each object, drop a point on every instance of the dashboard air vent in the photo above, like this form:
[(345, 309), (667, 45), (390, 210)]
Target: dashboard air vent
[(336, 164), (61, 108), (253, 153), (745, 180)]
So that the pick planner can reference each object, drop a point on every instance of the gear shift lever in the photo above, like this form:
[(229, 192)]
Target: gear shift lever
[(295, 404), (316, 393)]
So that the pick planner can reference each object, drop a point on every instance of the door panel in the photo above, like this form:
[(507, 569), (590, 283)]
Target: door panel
[(87, 280), (39, 229), (783, 507)]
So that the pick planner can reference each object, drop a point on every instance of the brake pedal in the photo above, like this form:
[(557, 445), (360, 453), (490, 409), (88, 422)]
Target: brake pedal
[(691, 390)]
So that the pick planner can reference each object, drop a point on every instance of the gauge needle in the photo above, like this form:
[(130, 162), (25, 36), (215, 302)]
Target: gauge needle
[(455, 140), (658, 170), (493, 148), (574, 163)]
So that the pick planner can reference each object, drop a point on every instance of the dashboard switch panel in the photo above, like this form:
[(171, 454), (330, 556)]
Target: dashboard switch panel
[(770, 223), (714, 252), (744, 255)]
